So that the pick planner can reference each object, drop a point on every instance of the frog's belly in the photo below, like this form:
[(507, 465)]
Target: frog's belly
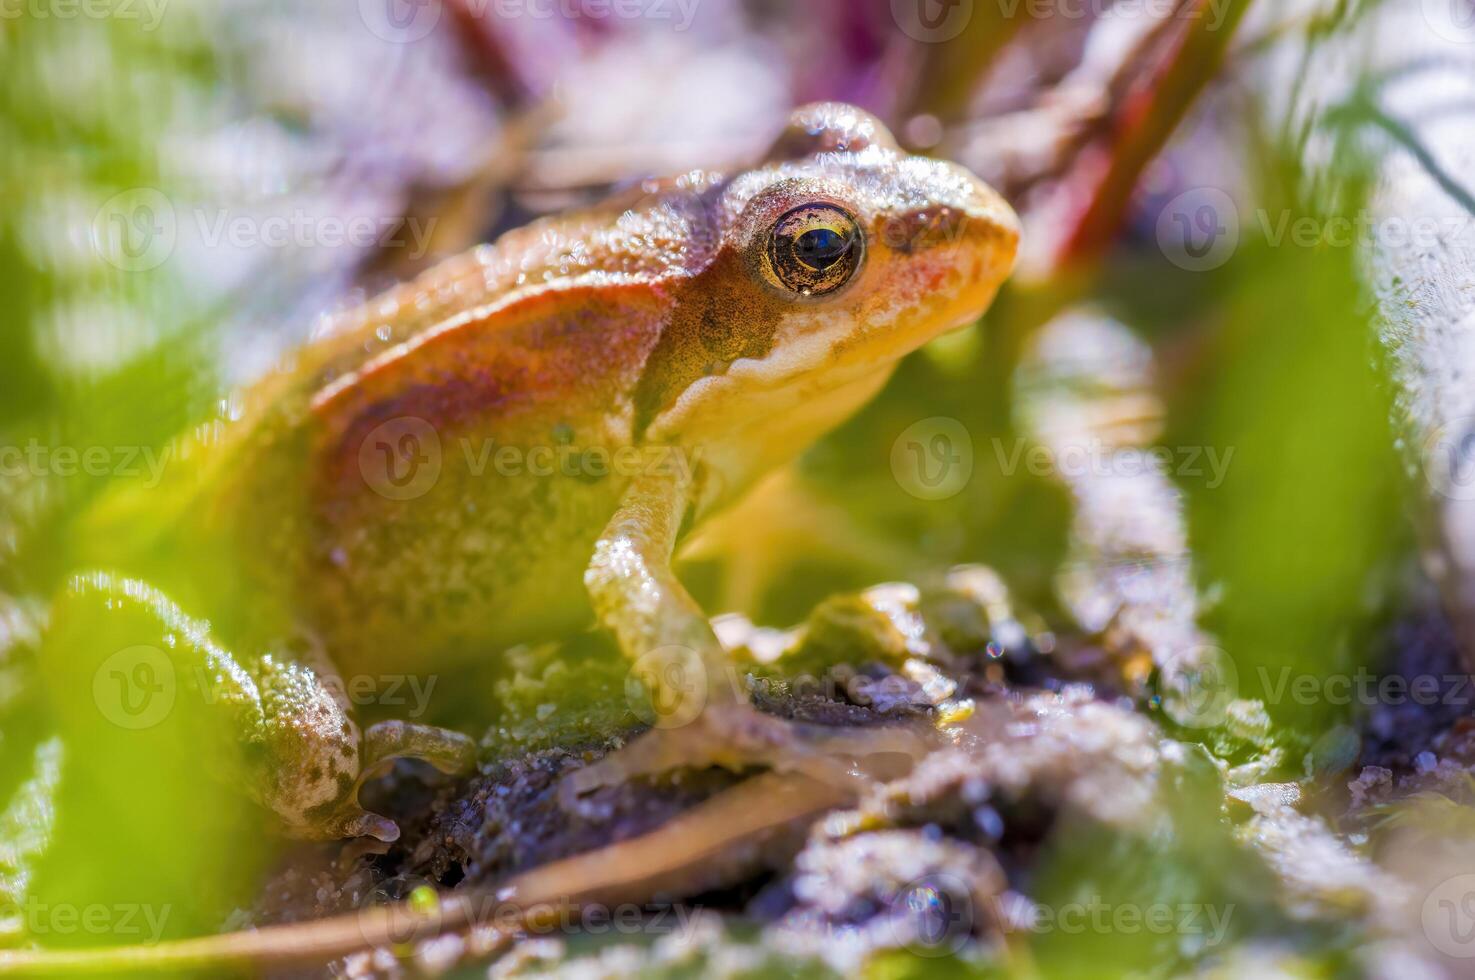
[(478, 561)]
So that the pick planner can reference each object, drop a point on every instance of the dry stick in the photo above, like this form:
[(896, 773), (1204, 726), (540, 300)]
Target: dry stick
[(630, 872), (1086, 102), (1149, 118)]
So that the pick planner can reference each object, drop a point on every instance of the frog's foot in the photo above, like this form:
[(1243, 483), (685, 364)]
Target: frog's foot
[(449, 751), (315, 759), (383, 743), (738, 737)]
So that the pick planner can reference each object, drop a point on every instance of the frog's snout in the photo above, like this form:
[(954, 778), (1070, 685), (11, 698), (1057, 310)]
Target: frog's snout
[(953, 248), (970, 217), (989, 233)]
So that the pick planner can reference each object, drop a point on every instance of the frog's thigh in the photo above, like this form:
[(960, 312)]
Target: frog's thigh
[(121, 653), (637, 596)]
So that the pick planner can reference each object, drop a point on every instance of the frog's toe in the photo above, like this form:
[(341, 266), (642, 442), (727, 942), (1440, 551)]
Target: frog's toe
[(362, 823), (317, 794), (739, 737), (449, 751)]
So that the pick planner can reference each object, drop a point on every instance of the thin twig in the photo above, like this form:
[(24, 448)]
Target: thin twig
[(697, 842)]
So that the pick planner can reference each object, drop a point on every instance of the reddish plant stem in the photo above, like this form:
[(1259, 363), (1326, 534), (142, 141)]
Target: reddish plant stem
[(1149, 115)]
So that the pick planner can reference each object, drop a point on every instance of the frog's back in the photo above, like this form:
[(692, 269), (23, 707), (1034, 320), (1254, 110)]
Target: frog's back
[(647, 234), (437, 466)]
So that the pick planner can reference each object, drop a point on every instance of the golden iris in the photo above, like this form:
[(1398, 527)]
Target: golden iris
[(815, 249)]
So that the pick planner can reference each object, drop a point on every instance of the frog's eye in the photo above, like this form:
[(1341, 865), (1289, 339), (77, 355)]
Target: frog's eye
[(814, 249)]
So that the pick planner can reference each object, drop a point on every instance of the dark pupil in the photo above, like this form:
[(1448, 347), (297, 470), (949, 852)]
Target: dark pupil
[(820, 248)]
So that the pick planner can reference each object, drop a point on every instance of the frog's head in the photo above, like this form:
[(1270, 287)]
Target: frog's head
[(865, 251), (836, 256)]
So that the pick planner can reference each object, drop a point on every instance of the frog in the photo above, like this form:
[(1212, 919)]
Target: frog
[(513, 444)]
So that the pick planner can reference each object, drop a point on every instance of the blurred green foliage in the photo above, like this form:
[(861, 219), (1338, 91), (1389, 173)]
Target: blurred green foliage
[(1302, 540), (98, 353)]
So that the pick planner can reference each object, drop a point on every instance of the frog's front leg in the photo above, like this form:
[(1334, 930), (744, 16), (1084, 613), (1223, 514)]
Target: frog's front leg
[(284, 715), (701, 713)]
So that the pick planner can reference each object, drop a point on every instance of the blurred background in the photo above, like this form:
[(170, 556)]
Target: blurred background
[(1215, 435)]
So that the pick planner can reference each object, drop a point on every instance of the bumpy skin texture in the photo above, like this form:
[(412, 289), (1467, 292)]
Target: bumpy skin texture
[(652, 325)]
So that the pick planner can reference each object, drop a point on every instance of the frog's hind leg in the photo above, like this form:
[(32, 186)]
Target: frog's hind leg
[(280, 722), (319, 760), (699, 710)]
